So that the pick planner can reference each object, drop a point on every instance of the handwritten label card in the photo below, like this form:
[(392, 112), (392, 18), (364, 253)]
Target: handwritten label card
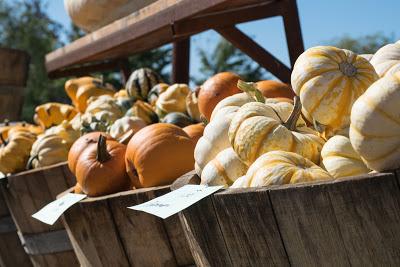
[(175, 201), (50, 213)]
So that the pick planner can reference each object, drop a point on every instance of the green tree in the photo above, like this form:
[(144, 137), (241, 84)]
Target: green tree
[(226, 57), (25, 25), (367, 44)]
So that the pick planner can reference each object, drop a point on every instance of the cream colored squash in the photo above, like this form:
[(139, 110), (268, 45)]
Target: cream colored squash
[(104, 103), (281, 167), (124, 124), (258, 128), (375, 124), (367, 56), (340, 159), (232, 102), (328, 81), (386, 60), (47, 150), (224, 169), (65, 131), (172, 100)]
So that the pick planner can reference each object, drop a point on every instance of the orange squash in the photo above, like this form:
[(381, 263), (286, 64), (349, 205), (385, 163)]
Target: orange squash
[(275, 89), (100, 169), (195, 131), (80, 145), (215, 89), (158, 154)]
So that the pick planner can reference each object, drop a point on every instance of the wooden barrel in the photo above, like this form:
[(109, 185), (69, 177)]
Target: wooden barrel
[(26, 193), (12, 252), (13, 76), (104, 232), (353, 221)]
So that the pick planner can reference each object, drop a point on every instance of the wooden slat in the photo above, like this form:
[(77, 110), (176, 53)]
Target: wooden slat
[(256, 52), (249, 228), (11, 251), (180, 61), (136, 32)]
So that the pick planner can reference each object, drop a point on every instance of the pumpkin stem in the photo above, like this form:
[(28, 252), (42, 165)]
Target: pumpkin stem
[(29, 164), (204, 119), (251, 90), (6, 122), (102, 153), (294, 116)]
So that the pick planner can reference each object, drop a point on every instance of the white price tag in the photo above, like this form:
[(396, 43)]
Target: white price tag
[(2, 175), (177, 200), (52, 211)]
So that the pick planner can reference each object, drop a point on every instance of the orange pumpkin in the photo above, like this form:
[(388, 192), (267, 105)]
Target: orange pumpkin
[(195, 131), (80, 145), (275, 89), (158, 154), (100, 169), (215, 89)]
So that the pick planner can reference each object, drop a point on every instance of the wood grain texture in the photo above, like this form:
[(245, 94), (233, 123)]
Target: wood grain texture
[(26, 193), (181, 61), (14, 67), (249, 228)]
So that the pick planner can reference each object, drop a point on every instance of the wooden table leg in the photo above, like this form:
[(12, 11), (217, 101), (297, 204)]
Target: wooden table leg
[(124, 70), (180, 61)]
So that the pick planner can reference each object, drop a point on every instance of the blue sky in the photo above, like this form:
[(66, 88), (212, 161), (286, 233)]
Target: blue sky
[(321, 21)]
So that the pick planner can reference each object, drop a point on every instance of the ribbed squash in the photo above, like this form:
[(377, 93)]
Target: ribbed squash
[(328, 81), (192, 105), (81, 89), (367, 56), (224, 169), (386, 60), (97, 122), (258, 128), (52, 114), (65, 131), (281, 167), (231, 103), (47, 150), (144, 111), (7, 126), (172, 100), (14, 152), (375, 124), (140, 83), (158, 154), (104, 103), (125, 124), (340, 159), (121, 94), (155, 92), (177, 118)]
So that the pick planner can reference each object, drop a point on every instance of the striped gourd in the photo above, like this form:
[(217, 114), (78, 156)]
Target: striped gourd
[(328, 81), (386, 60), (140, 83)]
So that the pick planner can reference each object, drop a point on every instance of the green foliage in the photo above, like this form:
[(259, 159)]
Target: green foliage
[(226, 57), (24, 25), (367, 44)]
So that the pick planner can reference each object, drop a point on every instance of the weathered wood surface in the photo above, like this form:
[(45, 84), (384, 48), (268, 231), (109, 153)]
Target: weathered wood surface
[(170, 21), (125, 237), (13, 76), (26, 193), (11, 250), (352, 221)]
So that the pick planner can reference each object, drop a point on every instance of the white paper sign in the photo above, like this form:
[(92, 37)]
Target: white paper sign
[(177, 200), (2, 175), (52, 211)]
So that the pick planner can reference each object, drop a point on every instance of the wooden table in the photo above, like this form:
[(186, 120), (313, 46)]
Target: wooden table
[(174, 21)]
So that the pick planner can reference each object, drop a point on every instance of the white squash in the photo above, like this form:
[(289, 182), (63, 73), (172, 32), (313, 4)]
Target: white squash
[(386, 60)]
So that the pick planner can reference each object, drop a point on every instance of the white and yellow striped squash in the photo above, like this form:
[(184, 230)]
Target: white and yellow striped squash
[(328, 81), (340, 159), (375, 124), (224, 169), (258, 128), (281, 167), (386, 60), (172, 100)]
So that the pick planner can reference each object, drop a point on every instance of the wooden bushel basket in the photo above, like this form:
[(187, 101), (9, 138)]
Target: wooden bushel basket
[(353, 221), (26, 193), (104, 232), (11, 251)]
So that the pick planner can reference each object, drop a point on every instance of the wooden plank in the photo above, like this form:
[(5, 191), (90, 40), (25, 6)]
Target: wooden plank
[(249, 228), (207, 249), (180, 61), (143, 235), (188, 178), (85, 69), (291, 22), (256, 52), (11, 251), (136, 28)]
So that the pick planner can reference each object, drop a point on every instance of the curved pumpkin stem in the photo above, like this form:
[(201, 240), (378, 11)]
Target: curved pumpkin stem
[(251, 90), (102, 153), (291, 122)]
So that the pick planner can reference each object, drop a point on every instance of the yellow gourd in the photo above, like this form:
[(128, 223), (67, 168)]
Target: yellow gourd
[(281, 167), (125, 124), (52, 114), (328, 81), (172, 100), (47, 150), (144, 111)]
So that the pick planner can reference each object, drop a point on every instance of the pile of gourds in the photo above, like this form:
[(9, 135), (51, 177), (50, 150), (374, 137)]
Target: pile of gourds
[(345, 121)]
